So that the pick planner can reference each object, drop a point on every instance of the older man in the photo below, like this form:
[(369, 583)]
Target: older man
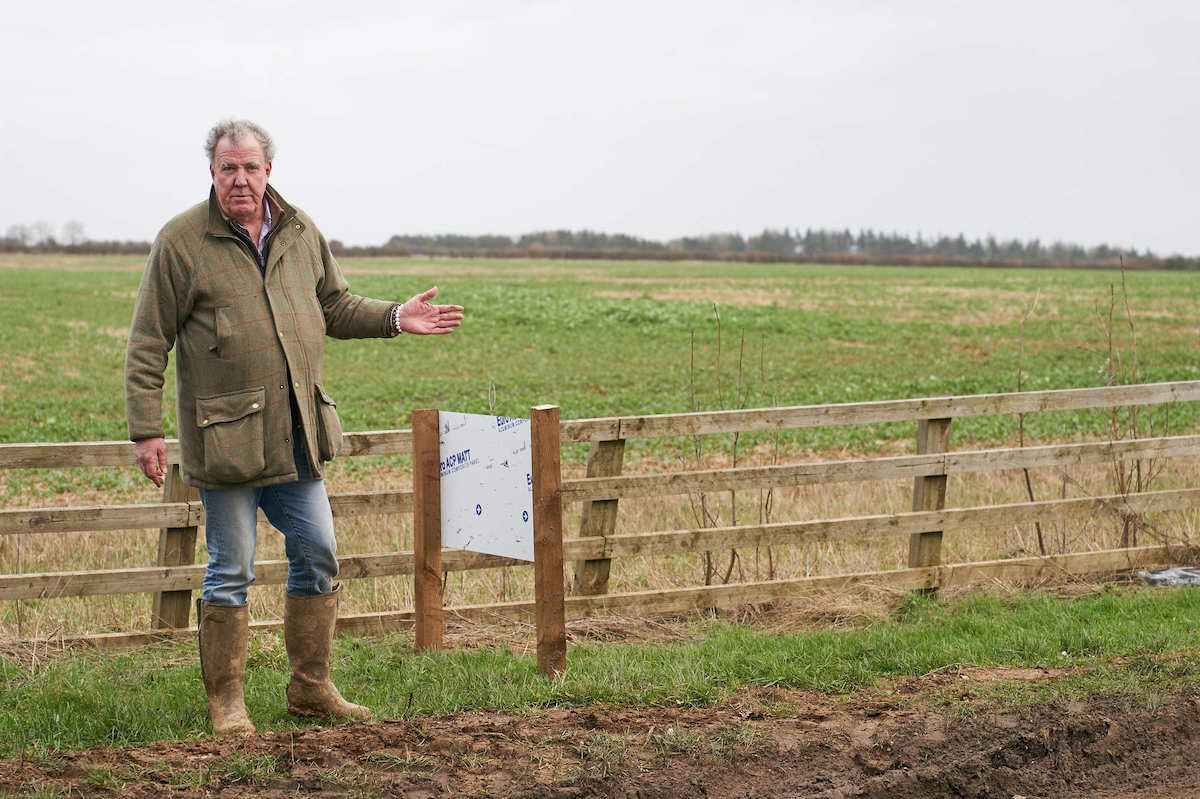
[(246, 289)]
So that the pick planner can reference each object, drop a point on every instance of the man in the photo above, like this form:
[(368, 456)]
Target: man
[(245, 287)]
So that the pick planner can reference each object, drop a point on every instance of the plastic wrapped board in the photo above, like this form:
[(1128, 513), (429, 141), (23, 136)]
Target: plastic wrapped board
[(486, 484)]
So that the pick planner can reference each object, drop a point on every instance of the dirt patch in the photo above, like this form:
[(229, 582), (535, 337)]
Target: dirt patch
[(765, 742)]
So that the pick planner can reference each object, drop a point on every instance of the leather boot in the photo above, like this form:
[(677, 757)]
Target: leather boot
[(223, 634), (308, 635)]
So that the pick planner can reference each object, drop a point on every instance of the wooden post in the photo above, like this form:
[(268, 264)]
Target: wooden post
[(176, 547), (599, 517), (427, 531), (929, 493), (548, 585)]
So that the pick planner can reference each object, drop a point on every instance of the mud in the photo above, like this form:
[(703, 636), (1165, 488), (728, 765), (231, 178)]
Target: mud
[(759, 743)]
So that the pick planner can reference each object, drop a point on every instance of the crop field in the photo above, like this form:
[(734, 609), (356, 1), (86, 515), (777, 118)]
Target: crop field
[(601, 338), (1081, 689)]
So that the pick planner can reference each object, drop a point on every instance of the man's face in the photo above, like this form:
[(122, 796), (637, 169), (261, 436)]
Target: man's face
[(239, 172)]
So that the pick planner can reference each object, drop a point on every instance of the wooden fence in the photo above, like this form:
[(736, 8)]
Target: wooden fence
[(176, 575)]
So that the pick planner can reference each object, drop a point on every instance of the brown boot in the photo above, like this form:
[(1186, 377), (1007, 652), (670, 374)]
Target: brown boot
[(308, 635), (223, 645)]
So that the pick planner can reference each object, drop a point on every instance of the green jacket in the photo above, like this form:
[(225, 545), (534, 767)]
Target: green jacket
[(241, 338)]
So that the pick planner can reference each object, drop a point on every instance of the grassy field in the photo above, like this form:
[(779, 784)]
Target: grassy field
[(602, 338), (1130, 641)]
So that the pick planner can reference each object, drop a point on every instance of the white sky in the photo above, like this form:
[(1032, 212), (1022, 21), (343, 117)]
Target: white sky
[(1076, 121)]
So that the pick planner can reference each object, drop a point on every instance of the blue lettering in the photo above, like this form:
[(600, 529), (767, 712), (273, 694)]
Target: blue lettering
[(455, 460)]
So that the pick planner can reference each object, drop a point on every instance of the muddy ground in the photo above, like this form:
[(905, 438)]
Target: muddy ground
[(902, 742)]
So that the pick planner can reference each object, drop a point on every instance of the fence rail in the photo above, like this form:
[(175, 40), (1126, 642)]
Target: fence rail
[(175, 576)]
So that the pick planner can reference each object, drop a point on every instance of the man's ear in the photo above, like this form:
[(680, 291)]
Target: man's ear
[(268, 170)]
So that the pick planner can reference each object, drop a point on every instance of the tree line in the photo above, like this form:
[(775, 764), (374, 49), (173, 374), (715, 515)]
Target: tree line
[(70, 238), (787, 242), (782, 245), (867, 245)]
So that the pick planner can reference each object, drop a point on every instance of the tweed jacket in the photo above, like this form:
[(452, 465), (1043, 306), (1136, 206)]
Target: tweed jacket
[(245, 340)]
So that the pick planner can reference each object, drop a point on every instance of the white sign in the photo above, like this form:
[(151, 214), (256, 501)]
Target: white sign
[(487, 484)]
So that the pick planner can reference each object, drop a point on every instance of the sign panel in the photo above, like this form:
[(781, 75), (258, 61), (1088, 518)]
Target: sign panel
[(487, 484)]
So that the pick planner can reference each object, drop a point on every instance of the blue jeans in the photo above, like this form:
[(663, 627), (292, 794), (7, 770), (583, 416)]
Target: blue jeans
[(299, 510)]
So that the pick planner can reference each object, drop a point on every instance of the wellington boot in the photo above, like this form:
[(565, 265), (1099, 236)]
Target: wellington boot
[(223, 646), (308, 635)]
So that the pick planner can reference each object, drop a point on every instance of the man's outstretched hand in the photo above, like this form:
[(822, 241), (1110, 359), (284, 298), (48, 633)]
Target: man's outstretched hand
[(424, 319)]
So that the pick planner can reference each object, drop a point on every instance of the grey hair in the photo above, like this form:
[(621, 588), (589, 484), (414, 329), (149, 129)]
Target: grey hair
[(236, 130)]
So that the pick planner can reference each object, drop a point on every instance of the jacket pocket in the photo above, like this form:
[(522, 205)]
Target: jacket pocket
[(329, 426), (232, 429), (222, 330)]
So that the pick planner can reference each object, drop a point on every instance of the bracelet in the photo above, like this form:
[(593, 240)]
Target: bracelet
[(396, 330)]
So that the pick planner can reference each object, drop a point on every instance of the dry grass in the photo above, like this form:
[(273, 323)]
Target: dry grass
[(122, 549)]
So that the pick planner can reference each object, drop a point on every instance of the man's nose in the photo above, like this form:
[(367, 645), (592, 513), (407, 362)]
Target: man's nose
[(239, 179)]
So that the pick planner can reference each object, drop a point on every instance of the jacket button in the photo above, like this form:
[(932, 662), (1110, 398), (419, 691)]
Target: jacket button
[(282, 387), (297, 227), (254, 406), (296, 384), (204, 422)]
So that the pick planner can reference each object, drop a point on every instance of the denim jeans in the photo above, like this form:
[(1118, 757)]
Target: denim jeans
[(299, 510)]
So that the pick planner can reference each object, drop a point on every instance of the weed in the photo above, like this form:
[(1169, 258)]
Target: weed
[(249, 768), (192, 779), (732, 741), (104, 777), (602, 754), (675, 742)]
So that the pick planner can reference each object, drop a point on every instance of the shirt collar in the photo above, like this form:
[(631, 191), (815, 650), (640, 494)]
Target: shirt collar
[(266, 228)]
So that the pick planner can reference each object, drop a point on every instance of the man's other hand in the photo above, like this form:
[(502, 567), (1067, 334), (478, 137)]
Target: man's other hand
[(420, 317), (152, 458)]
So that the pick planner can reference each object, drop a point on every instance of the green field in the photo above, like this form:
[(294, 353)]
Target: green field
[(605, 338), (602, 338), (1133, 641)]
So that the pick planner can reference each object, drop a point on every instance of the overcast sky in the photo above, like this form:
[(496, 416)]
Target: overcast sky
[(1073, 121)]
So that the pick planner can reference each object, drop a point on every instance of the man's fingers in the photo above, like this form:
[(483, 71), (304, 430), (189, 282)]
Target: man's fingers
[(152, 458), (151, 468), (427, 295)]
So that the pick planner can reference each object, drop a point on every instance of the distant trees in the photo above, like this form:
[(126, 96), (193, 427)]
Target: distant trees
[(19, 234), (73, 233), (791, 243), (555, 239), (72, 237), (784, 244)]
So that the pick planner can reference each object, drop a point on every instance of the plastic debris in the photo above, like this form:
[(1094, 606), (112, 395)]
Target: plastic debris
[(1176, 575)]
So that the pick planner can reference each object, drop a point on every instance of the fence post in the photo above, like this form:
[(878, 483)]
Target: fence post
[(548, 584), (605, 459), (427, 531), (929, 493), (176, 547)]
